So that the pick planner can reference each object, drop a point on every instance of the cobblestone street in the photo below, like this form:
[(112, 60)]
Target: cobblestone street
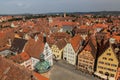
[(64, 71)]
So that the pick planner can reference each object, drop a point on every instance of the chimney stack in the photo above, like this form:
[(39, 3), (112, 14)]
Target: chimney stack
[(36, 38), (44, 38)]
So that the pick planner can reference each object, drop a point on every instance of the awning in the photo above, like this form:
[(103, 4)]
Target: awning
[(104, 76), (101, 75)]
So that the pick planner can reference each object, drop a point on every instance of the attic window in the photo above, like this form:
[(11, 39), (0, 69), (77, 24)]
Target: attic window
[(109, 54), (109, 49), (46, 47)]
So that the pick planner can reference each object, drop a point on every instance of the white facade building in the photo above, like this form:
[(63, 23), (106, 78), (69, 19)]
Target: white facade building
[(48, 54), (69, 54), (30, 63)]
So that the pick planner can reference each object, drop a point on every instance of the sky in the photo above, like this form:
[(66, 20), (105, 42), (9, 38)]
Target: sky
[(49, 6)]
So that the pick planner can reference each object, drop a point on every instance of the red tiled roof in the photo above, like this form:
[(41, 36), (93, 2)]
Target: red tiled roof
[(100, 26), (63, 23), (61, 43), (83, 27), (75, 41), (12, 71), (20, 57), (40, 77), (60, 35), (117, 38), (34, 48), (24, 56), (87, 48)]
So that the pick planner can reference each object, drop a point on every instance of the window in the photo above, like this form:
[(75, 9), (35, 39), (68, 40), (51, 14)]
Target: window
[(107, 63), (109, 54), (57, 55), (112, 75), (110, 59), (46, 47), (100, 67), (105, 68), (101, 72), (90, 62), (113, 65), (101, 62), (104, 58)]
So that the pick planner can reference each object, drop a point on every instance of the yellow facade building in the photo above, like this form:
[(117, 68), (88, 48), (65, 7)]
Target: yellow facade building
[(86, 58), (57, 49), (107, 64)]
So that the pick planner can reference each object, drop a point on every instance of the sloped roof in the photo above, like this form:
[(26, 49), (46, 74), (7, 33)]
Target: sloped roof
[(20, 57), (40, 77), (93, 49), (34, 48), (61, 43), (102, 48), (90, 47), (75, 42), (12, 71), (60, 35), (18, 45)]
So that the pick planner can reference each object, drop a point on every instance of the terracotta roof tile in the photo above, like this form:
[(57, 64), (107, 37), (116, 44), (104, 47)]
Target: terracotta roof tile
[(61, 43), (117, 38), (40, 77), (24, 56), (12, 71), (34, 48), (60, 35), (75, 41), (19, 58)]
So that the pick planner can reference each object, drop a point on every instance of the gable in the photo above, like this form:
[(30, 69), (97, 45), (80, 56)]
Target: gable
[(54, 47), (69, 47), (47, 49), (86, 54), (109, 54)]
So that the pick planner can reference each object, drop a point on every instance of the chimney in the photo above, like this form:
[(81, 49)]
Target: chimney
[(36, 38), (64, 14), (44, 38), (112, 40), (10, 42)]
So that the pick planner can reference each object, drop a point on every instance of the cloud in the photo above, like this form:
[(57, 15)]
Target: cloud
[(20, 4), (42, 6)]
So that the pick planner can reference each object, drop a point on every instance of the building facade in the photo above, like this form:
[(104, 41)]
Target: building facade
[(48, 54), (107, 64), (69, 54), (57, 53), (30, 63), (57, 49), (87, 57)]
